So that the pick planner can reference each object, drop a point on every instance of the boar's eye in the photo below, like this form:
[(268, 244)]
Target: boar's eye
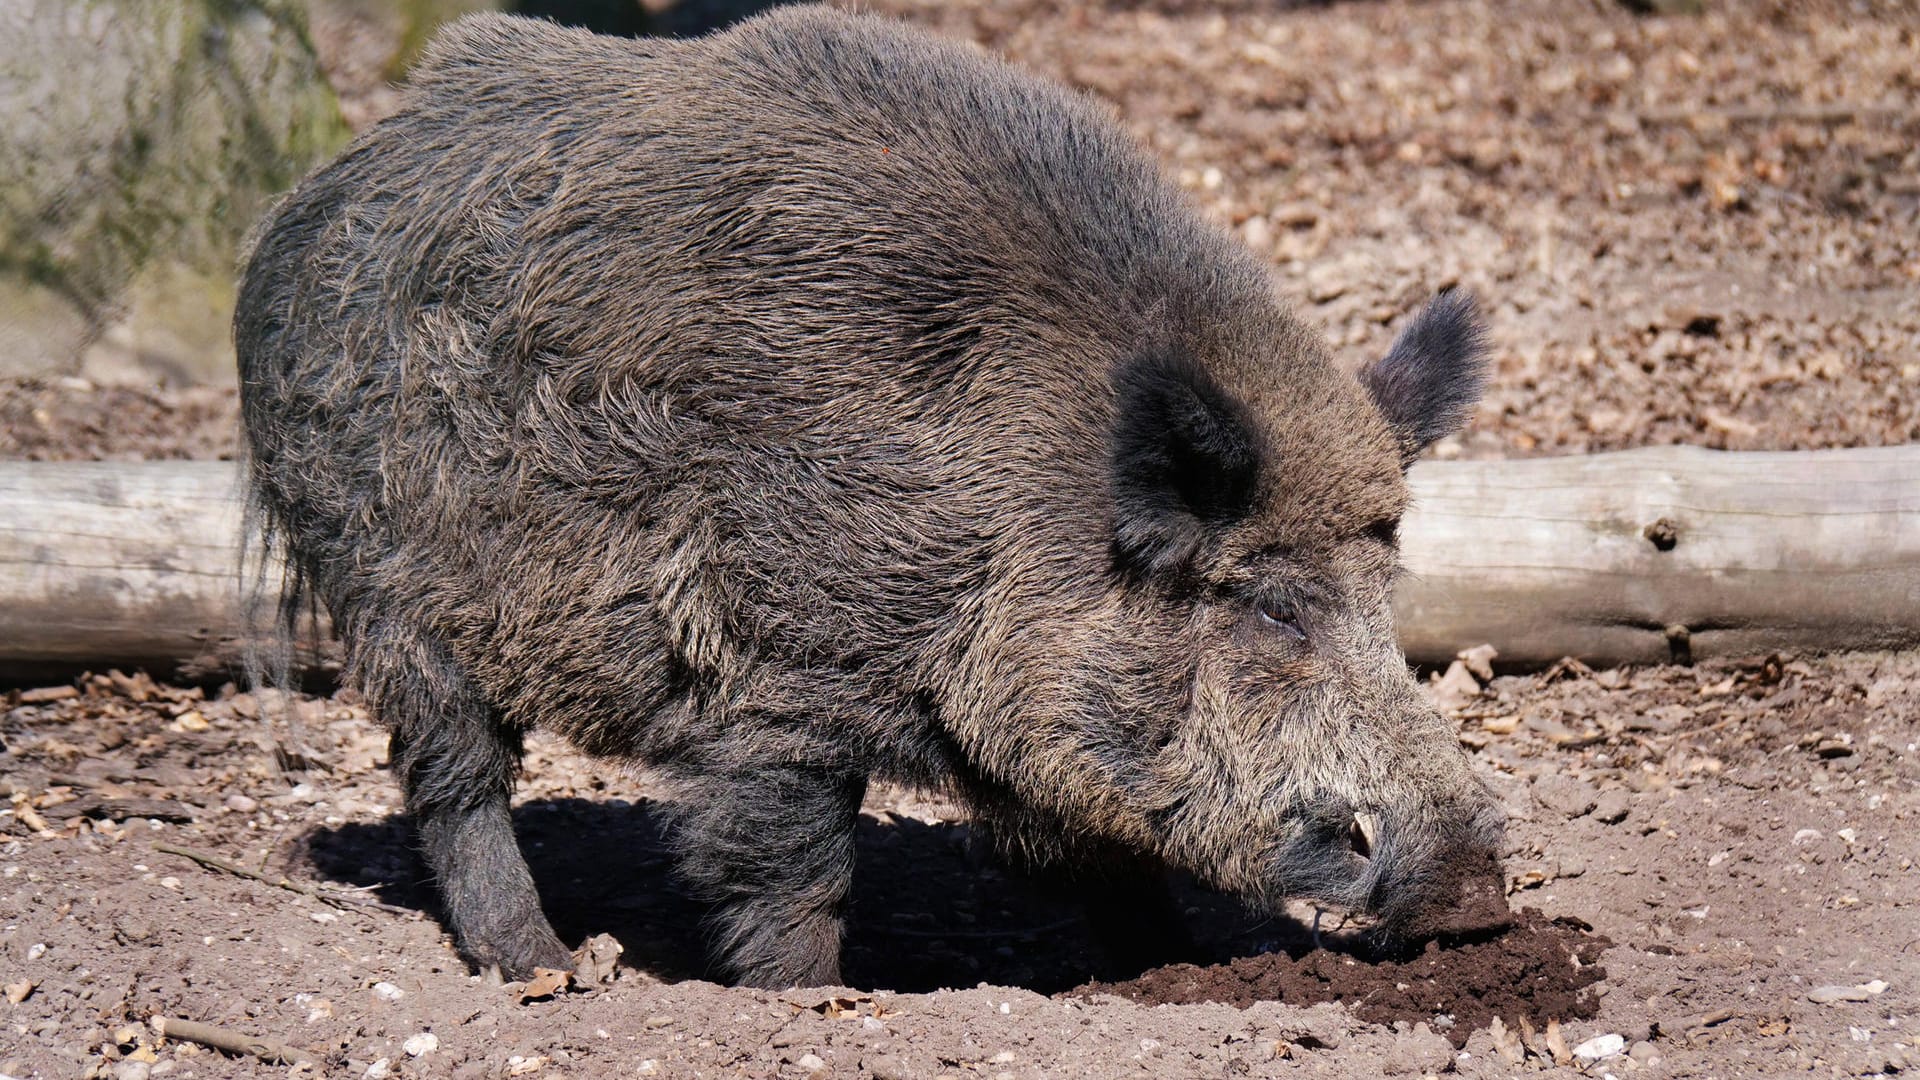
[(1279, 616), (1386, 531)]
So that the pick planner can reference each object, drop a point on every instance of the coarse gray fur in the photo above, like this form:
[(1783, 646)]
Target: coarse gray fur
[(821, 400)]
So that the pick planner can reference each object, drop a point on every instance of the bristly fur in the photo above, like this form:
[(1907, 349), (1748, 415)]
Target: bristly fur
[(1429, 382), (769, 409)]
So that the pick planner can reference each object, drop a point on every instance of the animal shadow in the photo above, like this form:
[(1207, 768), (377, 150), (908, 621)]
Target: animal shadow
[(930, 909)]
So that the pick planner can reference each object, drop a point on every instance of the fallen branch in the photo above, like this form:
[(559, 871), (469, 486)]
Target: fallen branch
[(1691, 1027), (231, 1042), (98, 807), (344, 901)]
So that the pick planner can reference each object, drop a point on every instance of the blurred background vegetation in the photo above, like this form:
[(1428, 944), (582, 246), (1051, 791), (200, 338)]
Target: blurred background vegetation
[(143, 137)]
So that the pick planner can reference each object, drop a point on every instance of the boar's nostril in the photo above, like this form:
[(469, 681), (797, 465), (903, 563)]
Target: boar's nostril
[(1362, 833)]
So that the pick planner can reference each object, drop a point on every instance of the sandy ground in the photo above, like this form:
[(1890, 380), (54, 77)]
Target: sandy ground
[(1741, 835), (1686, 229)]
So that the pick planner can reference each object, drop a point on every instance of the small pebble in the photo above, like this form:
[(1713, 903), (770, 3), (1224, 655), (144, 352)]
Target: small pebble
[(379, 1070), (422, 1044), (1831, 995), (132, 1069), (1566, 796), (241, 804), (386, 991), (811, 1062), (1611, 807), (1600, 1046)]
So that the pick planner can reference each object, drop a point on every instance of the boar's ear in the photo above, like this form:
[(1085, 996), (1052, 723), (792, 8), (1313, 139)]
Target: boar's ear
[(1428, 383), (1185, 457)]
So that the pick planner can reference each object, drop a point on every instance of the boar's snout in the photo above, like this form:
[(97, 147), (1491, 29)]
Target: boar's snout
[(1421, 869), (1432, 870)]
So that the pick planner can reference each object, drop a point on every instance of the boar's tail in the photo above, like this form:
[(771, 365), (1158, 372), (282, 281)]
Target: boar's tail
[(277, 600)]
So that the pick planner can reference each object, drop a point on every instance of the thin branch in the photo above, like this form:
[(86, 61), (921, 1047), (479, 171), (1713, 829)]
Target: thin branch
[(232, 1042), (344, 901)]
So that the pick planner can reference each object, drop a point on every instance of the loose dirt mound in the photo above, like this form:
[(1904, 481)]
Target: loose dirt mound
[(1543, 969)]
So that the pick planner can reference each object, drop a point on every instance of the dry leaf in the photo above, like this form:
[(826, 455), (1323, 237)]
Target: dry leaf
[(596, 958), (545, 983), (44, 694), (1504, 1042), (1557, 1045), (1479, 661), (1451, 692), (1499, 725), (1527, 879), (1529, 1040), (29, 817), (837, 1007)]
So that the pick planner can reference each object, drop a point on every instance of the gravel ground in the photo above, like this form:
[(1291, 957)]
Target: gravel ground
[(1738, 837), (1696, 229)]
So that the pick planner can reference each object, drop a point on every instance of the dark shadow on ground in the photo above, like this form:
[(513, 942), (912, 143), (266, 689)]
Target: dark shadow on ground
[(930, 910)]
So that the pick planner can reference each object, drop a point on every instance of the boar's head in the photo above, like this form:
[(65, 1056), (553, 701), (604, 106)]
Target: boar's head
[(1289, 752)]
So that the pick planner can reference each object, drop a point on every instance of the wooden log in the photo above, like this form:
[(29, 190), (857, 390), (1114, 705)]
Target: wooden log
[(1640, 556), (1663, 553), (123, 564)]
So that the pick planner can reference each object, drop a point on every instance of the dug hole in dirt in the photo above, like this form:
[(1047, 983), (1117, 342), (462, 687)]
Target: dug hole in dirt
[(1537, 972)]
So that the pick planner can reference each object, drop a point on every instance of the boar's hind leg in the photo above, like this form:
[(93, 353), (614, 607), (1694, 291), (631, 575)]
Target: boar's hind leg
[(456, 763), (773, 848)]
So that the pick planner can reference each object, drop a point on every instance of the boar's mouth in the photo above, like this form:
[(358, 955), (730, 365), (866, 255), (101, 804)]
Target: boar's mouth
[(1414, 880), (1449, 884)]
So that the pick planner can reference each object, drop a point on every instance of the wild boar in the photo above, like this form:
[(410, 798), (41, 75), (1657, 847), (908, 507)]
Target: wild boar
[(821, 400)]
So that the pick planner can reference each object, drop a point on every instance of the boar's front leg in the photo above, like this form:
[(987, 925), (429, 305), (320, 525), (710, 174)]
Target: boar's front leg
[(1125, 896), (456, 764), (772, 847)]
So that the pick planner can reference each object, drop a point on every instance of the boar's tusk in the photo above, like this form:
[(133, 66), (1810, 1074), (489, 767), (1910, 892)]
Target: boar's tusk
[(1364, 834)]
